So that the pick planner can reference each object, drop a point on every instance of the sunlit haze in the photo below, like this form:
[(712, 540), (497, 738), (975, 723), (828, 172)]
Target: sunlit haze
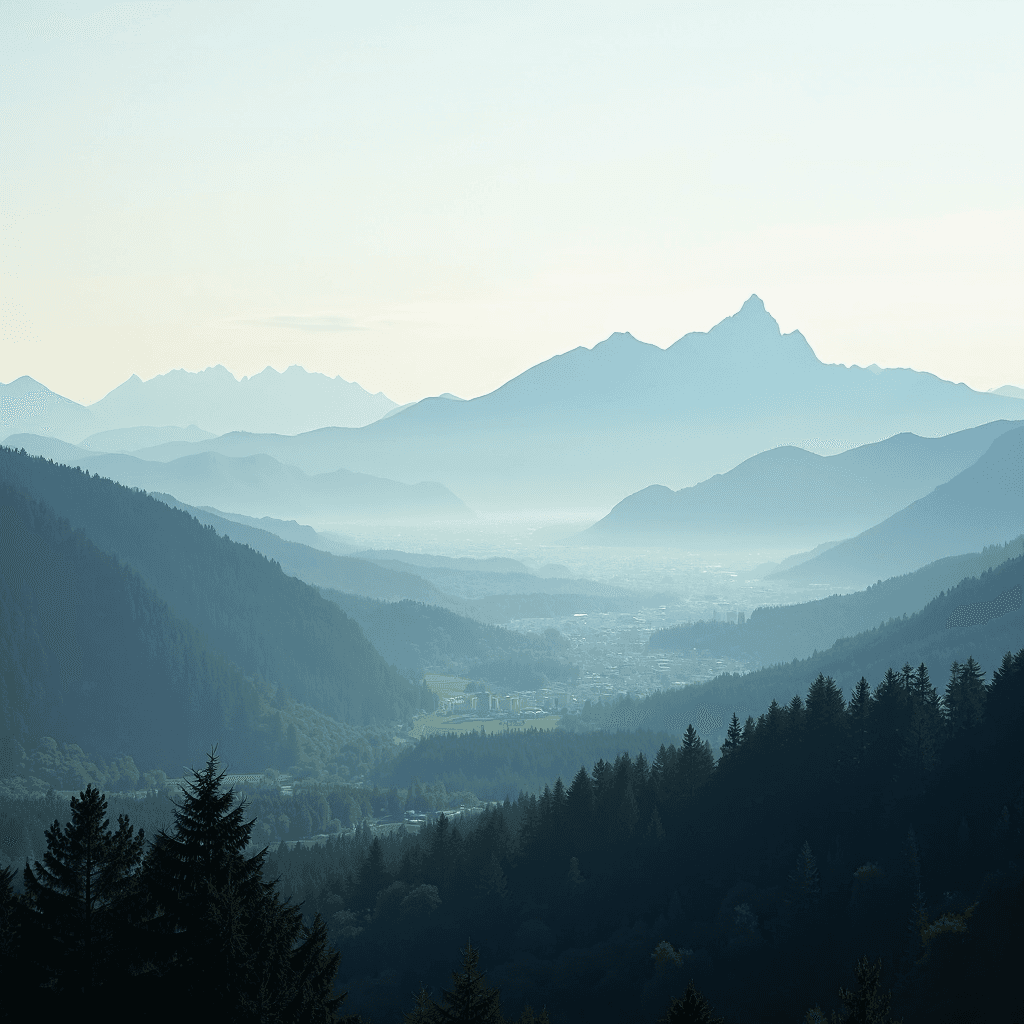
[(431, 198)]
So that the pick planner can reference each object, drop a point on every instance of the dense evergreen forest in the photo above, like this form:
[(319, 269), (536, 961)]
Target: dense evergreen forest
[(271, 626), (835, 853), (891, 826), (88, 650)]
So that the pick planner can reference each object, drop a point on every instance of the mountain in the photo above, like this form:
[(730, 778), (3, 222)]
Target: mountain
[(982, 505), (1008, 391), (783, 632), (580, 430), (89, 654), (26, 406), (272, 626), (259, 485), (282, 403), (791, 497)]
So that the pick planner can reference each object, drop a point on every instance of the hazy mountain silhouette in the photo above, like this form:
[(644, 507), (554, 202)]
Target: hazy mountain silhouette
[(982, 505), (283, 403), (1008, 391), (582, 429), (259, 485), (26, 406), (788, 496)]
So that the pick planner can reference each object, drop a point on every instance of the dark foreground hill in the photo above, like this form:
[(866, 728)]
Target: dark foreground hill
[(90, 654), (267, 623), (983, 617), (781, 633)]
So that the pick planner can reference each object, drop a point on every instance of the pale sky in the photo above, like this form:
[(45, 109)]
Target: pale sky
[(432, 197)]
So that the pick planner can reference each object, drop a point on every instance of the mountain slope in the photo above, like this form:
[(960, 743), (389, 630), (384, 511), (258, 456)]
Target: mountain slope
[(983, 505), (90, 654), (26, 406), (778, 634), (791, 497), (582, 429), (266, 622)]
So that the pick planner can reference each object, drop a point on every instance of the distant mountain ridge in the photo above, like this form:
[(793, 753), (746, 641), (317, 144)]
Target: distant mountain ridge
[(259, 485), (788, 496), (583, 429), (291, 402)]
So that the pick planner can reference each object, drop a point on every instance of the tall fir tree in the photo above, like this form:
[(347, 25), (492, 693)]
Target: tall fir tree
[(79, 898), (470, 1000), (964, 699)]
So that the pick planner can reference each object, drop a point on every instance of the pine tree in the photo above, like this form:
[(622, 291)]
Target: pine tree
[(693, 1008), (866, 1005), (859, 715), (228, 943), (733, 738), (469, 1001), (695, 762), (964, 700), (79, 899)]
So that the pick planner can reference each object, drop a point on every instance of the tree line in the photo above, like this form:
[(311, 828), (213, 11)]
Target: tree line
[(890, 825)]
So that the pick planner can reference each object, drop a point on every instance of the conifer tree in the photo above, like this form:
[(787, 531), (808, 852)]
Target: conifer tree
[(733, 738), (695, 762), (866, 1004), (964, 700), (859, 715), (469, 1001), (11, 934), (692, 1008), (79, 898)]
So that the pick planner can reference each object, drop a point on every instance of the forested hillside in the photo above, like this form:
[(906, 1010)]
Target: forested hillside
[(269, 624), (981, 616), (783, 632), (418, 637), (89, 654)]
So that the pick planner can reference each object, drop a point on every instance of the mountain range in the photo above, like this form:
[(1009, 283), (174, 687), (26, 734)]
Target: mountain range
[(789, 497), (583, 429), (286, 403)]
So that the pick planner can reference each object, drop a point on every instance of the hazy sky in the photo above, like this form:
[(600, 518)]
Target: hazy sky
[(433, 197)]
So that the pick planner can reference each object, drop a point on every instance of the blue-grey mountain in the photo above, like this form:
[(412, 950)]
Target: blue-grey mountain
[(791, 497), (583, 429), (981, 506), (259, 485)]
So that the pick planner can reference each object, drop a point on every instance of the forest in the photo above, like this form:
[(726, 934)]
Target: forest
[(840, 860)]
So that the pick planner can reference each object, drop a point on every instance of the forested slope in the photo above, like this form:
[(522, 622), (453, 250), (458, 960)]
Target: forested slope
[(268, 623), (784, 632), (982, 616), (89, 654)]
